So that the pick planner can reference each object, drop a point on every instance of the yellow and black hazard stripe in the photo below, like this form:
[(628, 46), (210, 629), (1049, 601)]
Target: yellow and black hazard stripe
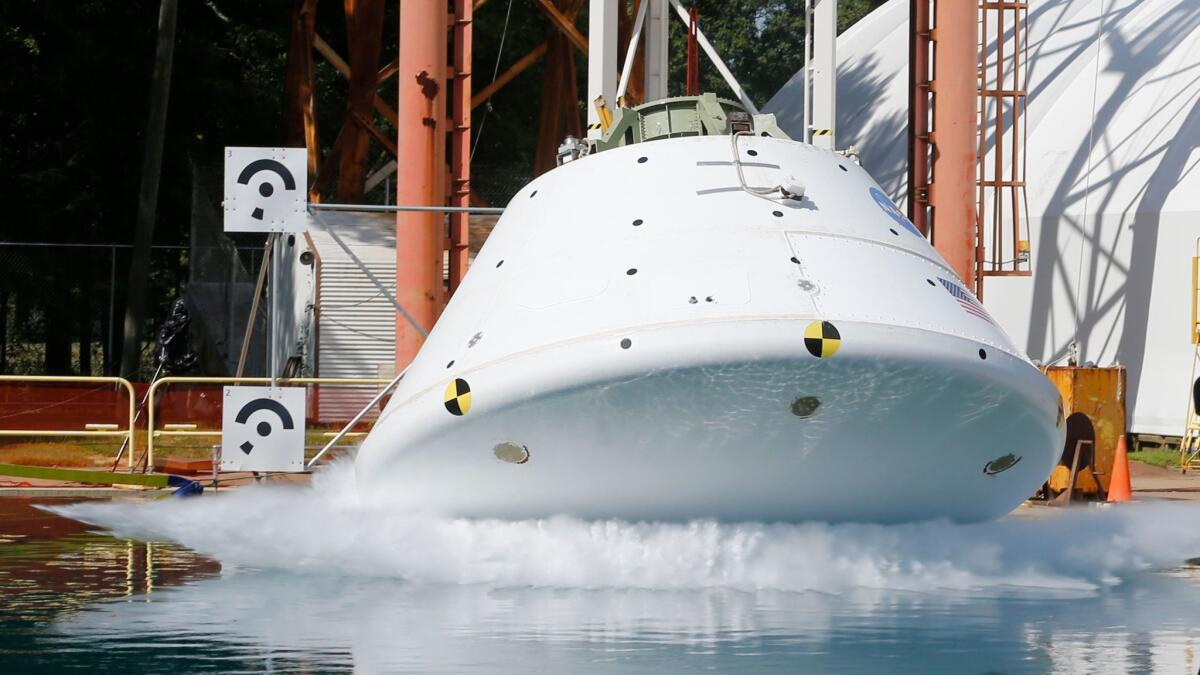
[(822, 132), (822, 339), (458, 397)]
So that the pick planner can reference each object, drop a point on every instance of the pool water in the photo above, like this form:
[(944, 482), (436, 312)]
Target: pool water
[(308, 579)]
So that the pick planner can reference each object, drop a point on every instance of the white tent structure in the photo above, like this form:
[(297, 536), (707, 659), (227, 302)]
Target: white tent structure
[(1114, 191)]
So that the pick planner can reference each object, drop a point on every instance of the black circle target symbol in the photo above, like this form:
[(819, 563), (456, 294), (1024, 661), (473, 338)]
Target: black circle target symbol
[(265, 188), (264, 427)]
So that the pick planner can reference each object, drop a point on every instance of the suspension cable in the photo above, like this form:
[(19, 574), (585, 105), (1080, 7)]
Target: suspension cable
[(495, 73)]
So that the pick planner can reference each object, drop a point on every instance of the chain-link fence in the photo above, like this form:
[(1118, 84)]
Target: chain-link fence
[(221, 281), (62, 306)]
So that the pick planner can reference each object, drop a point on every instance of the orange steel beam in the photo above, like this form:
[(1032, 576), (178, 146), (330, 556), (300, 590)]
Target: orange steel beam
[(364, 35), (507, 76), (339, 64), (565, 23), (300, 123), (376, 133), (421, 141), (460, 142), (953, 137), (918, 114), (387, 71), (327, 170), (550, 113), (526, 61)]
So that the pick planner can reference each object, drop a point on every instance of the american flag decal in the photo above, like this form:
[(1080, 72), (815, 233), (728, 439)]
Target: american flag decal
[(965, 300)]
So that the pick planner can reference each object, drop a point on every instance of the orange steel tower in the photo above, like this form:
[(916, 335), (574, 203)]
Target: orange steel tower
[(420, 152), (1003, 91), (942, 155)]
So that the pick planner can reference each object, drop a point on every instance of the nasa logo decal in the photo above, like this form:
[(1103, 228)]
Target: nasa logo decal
[(822, 339), (458, 397), (893, 212)]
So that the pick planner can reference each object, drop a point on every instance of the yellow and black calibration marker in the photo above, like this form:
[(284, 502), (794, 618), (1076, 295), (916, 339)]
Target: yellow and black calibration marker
[(822, 339), (458, 397)]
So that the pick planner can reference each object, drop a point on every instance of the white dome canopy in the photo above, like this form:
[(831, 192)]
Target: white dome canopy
[(1114, 191)]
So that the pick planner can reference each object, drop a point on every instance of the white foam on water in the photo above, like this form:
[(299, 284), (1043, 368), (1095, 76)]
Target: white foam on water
[(327, 528)]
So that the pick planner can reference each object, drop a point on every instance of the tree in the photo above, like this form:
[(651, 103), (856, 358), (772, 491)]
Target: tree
[(73, 92), (147, 203)]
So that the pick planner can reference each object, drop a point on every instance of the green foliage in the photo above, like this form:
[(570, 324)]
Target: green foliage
[(74, 82), (761, 42), (1161, 457)]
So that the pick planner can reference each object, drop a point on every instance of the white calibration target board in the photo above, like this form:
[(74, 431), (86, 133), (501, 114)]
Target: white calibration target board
[(262, 429), (266, 189)]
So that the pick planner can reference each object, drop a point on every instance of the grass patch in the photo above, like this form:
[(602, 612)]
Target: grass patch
[(1167, 459), (56, 454), (93, 452)]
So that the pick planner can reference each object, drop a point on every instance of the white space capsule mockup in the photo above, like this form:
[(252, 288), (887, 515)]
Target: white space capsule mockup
[(655, 332)]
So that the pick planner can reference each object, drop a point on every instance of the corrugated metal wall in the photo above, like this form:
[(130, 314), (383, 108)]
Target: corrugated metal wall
[(355, 332)]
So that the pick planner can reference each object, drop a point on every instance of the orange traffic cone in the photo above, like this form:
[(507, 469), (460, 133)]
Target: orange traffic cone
[(1119, 488)]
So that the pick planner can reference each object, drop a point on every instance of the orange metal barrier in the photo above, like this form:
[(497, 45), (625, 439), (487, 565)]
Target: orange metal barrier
[(190, 429), (93, 429)]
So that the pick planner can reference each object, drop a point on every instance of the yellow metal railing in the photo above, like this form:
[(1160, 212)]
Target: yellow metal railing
[(1189, 444), (1195, 326), (90, 429), (192, 430)]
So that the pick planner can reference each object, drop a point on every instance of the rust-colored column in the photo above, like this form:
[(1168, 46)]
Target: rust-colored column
[(955, 93), (460, 142), (421, 172), (300, 116), (364, 35), (918, 114)]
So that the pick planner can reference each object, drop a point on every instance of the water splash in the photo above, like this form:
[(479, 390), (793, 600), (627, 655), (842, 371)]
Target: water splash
[(327, 528)]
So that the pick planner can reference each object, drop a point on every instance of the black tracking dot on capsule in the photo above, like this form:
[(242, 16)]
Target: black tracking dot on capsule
[(631, 271), (777, 214), (642, 160), (982, 354), (626, 343), (637, 223)]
